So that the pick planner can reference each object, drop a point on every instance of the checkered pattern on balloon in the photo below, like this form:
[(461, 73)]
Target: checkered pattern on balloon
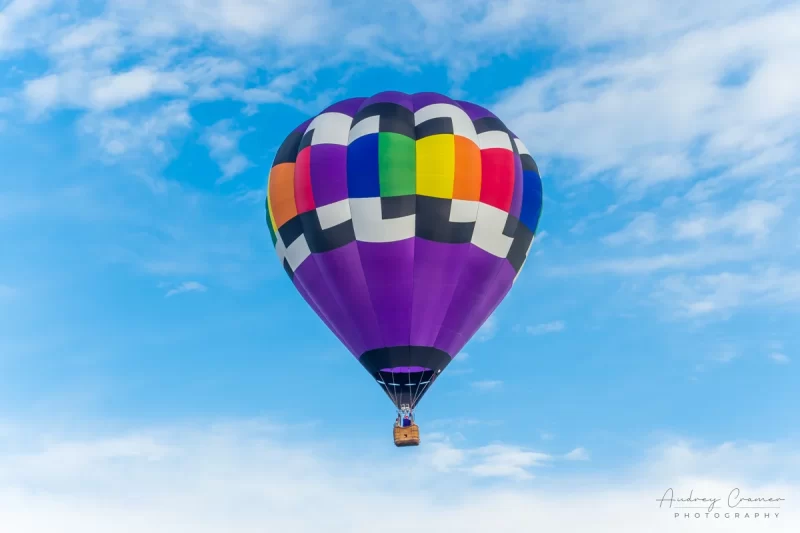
[(403, 220)]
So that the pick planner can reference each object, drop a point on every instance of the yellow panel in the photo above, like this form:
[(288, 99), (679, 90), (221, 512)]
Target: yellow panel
[(436, 165)]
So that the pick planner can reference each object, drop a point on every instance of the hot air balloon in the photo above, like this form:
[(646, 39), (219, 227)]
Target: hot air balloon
[(403, 220)]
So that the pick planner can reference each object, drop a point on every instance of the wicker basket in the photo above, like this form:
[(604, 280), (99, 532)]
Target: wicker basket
[(407, 436)]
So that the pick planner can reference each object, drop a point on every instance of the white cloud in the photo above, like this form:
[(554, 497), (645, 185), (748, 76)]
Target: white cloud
[(663, 110), (578, 454), (131, 133), (780, 358), (223, 144), (139, 83), (549, 327), (250, 477), (503, 461), (649, 264), (726, 355), (100, 92), (643, 228), (750, 219), (724, 292), (14, 17), (488, 330), (487, 385), (85, 35), (461, 357), (186, 286), (43, 93)]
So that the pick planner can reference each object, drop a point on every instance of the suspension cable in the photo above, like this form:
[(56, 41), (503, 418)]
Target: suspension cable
[(391, 395), (416, 391)]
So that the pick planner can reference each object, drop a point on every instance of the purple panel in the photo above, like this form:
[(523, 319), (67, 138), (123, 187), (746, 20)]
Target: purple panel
[(474, 111), (498, 288), (341, 269), (328, 173), (312, 286), (389, 271), (516, 197), (421, 100), (466, 307), (392, 97), (437, 268), (405, 369), (347, 107)]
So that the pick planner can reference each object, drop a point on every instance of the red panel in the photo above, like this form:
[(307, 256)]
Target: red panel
[(303, 194), (497, 177)]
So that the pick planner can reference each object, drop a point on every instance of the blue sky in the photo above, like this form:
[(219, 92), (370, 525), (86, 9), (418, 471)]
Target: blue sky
[(144, 317)]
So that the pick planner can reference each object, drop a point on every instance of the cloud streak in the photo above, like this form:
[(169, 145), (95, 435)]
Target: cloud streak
[(254, 476), (186, 287), (549, 327)]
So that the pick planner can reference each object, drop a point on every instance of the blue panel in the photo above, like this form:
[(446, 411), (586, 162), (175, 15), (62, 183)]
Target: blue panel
[(363, 176), (531, 199)]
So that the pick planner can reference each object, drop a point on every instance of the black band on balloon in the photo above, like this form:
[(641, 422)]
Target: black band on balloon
[(404, 387), (482, 125), (519, 246), (394, 118), (435, 126), (401, 356), (528, 163), (433, 222), (287, 153)]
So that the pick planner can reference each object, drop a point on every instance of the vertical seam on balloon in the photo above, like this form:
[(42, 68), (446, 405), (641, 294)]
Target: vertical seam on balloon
[(463, 265), (413, 248), (357, 247), (295, 278), (499, 268), (313, 257)]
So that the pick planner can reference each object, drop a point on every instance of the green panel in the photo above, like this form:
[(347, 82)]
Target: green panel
[(397, 163)]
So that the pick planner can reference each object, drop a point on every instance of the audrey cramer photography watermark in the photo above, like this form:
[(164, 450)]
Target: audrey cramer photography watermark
[(735, 505)]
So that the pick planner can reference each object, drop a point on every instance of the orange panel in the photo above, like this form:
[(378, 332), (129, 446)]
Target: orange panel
[(467, 184), (281, 193)]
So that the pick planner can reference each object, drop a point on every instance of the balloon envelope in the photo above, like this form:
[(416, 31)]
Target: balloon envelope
[(403, 220)]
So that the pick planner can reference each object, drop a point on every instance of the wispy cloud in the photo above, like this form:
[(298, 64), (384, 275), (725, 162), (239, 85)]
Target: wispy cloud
[(253, 477), (131, 134), (718, 294), (223, 144), (726, 355), (503, 461), (548, 327), (780, 358), (694, 116), (658, 262), (751, 219), (578, 454), (487, 385), (643, 228), (186, 286), (99, 92), (488, 330)]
